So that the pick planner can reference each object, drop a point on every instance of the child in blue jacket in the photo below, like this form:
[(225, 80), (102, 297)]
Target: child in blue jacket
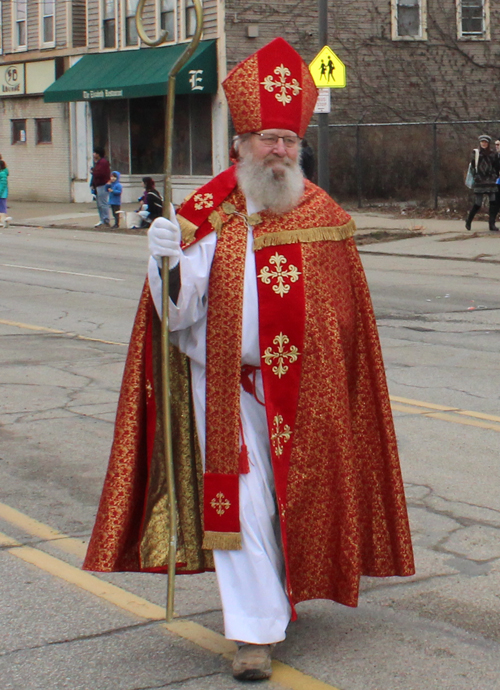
[(114, 188)]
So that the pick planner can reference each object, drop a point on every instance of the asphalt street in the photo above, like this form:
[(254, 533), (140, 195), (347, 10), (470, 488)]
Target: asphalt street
[(67, 303)]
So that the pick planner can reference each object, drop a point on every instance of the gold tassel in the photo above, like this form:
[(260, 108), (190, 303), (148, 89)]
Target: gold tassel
[(188, 229), (225, 541), (272, 239)]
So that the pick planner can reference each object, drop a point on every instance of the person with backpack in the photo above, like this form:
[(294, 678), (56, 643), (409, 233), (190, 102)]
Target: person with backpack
[(485, 167)]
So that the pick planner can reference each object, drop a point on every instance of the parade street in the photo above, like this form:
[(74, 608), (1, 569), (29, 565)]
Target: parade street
[(67, 302)]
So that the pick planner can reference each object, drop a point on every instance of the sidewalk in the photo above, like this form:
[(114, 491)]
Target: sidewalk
[(376, 232), (59, 215)]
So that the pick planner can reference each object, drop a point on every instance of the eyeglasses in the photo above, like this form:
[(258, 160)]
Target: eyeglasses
[(289, 140)]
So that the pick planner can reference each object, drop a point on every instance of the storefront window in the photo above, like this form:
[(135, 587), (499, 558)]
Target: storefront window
[(133, 133), (110, 126), (192, 154)]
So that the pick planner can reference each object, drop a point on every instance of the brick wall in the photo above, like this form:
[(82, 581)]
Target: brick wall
[(387, 80), (36, 172)]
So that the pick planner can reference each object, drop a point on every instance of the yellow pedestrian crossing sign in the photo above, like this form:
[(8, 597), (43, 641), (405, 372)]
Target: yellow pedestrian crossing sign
[(328, 70)]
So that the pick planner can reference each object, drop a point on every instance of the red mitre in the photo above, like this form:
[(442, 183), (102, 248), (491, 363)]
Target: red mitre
[(271, 89)]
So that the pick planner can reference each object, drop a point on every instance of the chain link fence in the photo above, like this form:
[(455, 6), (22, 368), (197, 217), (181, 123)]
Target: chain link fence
[(393, 162)]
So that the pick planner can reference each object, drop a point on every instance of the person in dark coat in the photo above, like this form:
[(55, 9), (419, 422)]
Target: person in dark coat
[(152, 202), (485, 165), (101, 172), (307, 162)]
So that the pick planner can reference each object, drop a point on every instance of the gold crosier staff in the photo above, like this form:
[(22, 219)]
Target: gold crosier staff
[(165, 363)]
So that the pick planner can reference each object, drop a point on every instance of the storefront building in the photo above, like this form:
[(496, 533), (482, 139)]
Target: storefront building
[(74, 75), (125, 94)]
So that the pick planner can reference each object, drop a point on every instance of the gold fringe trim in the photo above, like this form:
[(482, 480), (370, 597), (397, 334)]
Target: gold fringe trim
[(225, 541), (188, 229), (272, 239), (216, 222)]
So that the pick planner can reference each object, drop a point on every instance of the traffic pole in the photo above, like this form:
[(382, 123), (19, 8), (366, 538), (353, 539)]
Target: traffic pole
[(323, 162)]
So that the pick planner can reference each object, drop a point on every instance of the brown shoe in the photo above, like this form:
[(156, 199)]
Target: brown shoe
[(252, 662)]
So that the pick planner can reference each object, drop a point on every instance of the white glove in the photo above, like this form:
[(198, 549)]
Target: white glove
[(164, 238)]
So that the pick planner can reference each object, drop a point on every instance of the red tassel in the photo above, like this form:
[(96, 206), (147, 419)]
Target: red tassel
[(244, 460)]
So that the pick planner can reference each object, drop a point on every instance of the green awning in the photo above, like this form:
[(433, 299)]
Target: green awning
[(135, 74)]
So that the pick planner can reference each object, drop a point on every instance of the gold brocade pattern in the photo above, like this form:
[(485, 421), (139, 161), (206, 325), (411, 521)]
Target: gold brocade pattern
[(344, 451), (189, 474), (309, 97), (224, 323), (113, 545), (247, 116), (117, 543)]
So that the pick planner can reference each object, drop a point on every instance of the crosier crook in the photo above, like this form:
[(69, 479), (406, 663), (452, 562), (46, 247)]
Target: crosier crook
[(167, 199)]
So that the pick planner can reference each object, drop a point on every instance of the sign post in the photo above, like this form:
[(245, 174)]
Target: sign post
[(328, 72)]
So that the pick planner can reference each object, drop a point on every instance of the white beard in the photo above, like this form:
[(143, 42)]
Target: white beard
[(277, 190)]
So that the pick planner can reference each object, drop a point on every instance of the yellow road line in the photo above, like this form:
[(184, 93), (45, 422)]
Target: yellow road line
[(104, 590), (464, 420), (37, 529), (419, 403), (29, 326), (43, 329), (446, 414), (283, 675)]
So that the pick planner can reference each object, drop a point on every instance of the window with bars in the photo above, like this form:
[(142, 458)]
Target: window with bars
[(109, 23), (47, 24), (20, 37), (472, 18), (167, 18), (131, 37)]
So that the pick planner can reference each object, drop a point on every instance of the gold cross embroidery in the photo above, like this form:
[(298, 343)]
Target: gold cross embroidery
[(291, 272), (203, 201), (220, 503), (281, 356), (283, 85), (280, 435)]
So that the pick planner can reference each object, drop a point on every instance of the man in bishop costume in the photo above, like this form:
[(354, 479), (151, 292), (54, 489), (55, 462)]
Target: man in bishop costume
[(287, 471)]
